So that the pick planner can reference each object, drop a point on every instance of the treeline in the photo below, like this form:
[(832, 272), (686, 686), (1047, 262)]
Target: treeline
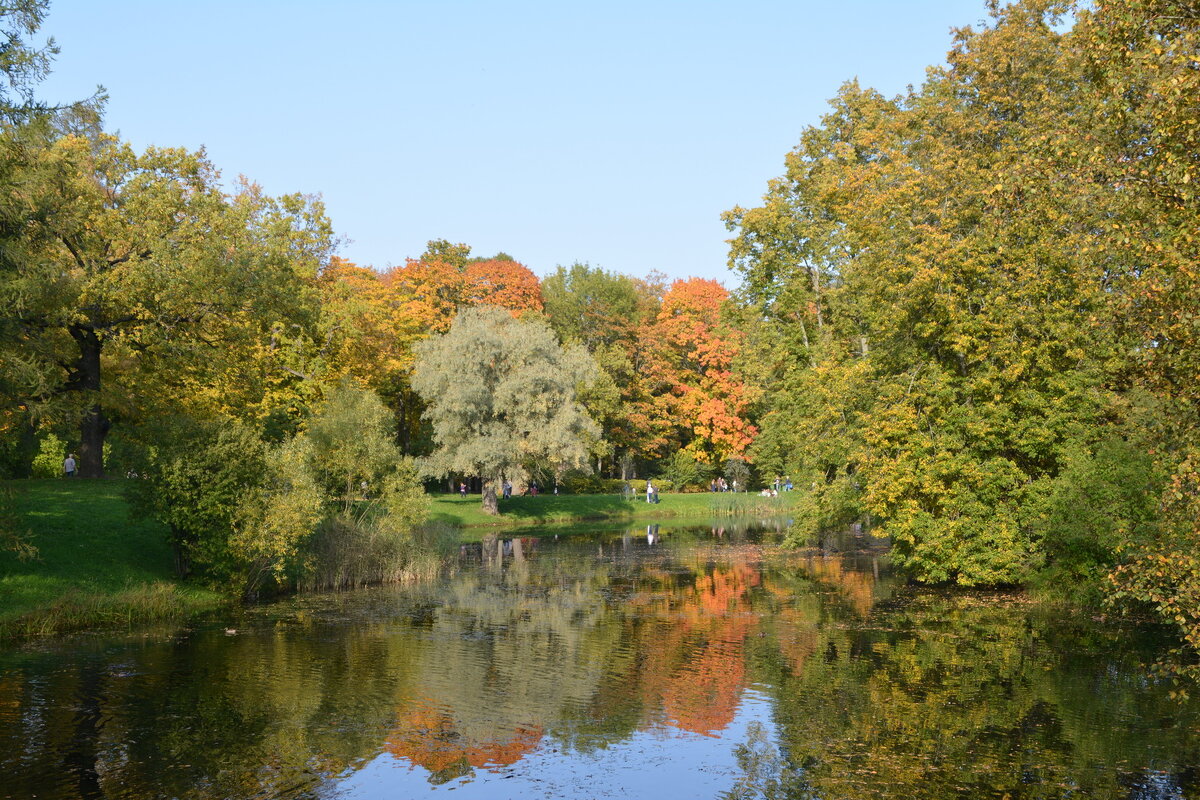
[(209, 341), (968, 316), (975, 307)]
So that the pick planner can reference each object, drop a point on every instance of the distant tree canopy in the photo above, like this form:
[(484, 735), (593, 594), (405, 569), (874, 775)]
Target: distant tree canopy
[(500, 393)]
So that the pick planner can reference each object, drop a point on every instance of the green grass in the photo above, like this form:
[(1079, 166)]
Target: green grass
[(523, 511), (94, 567)]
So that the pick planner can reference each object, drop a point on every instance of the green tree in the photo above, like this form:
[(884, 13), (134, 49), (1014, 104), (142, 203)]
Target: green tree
[(604, 312), (142, 263), (963, 338), (500, 393)]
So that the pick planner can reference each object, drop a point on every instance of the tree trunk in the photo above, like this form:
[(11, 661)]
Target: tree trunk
[(85, 377), (93, 429), (490, 506)]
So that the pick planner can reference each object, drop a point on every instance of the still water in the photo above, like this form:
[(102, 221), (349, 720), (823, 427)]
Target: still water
[(660, 662)]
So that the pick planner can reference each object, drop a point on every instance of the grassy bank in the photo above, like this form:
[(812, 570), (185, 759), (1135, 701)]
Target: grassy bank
[(524, 511), (93, 568)]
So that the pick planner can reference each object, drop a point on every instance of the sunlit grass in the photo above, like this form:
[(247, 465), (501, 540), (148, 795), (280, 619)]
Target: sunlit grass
[(94, 567), (467, 511)]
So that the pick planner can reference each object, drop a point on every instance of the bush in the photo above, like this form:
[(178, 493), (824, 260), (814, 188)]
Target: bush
[(48, 463), (578, 482), (333, 506), (199, 477), (684, 472), (1106, 496)]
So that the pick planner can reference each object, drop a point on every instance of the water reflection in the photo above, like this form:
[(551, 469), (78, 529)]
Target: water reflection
[(673, 661)]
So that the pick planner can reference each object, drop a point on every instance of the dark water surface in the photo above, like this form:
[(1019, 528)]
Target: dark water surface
[(705, 663)]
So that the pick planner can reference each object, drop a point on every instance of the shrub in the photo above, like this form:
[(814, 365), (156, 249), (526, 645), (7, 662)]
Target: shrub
[(684, 471), (578, 482), (333, 506), (48, 463), (199, 480)]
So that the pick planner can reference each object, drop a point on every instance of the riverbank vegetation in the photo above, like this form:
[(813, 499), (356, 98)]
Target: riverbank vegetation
[(86, 564), (90, 558), (966, 318)]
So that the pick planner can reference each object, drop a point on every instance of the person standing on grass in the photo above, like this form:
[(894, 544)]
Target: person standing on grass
[(69, 465)]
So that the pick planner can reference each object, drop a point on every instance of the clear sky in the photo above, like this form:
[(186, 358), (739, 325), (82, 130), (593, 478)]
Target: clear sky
[(608, 132)]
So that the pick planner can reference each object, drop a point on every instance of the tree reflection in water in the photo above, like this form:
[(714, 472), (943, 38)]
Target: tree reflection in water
[(582, 646)]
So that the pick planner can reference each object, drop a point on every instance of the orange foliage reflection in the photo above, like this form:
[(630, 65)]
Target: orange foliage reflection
[(427, 737)]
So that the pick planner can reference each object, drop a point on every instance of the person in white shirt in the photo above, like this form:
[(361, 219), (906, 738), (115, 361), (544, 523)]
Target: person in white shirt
[(69, 465)]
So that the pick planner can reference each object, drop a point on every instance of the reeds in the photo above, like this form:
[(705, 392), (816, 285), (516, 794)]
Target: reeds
[(134, 606)]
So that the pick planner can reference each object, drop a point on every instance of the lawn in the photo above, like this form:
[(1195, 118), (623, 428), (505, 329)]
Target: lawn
[(523, 511), (94, 565)]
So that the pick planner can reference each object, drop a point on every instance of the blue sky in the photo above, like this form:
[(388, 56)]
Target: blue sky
[(613, 133)]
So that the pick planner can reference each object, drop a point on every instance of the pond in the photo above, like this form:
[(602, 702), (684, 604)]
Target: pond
[(650, 662)]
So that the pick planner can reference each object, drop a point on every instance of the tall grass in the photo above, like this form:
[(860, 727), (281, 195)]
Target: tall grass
[(135, 606), (736, 504), (348, 553)]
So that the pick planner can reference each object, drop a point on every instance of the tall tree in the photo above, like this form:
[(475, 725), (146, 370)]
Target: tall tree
[(501, 393), (963, 342), (141, 260), (603, 312), (696, 350)]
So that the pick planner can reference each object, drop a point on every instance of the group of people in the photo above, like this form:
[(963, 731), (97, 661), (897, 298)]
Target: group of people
[(721, 485)]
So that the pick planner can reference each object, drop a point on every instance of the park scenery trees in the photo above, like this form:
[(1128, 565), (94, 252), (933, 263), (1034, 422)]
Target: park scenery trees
[(501, 396), (964, 316)]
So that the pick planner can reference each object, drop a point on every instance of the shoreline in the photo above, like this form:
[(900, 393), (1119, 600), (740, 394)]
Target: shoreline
[(89, 566)]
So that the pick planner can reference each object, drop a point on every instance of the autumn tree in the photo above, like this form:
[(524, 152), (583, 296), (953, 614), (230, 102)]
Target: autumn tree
[(371, 320), (695, 350), (502, 282), (139, 261), (1135, 146), (923, 270), (501, 393)]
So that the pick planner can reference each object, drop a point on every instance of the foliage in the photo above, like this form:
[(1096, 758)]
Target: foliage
[(248, 513), (684, 471), (199, 480), (371, 494), (605, 313), (577, 481), (693, 353), (952, 341), (500, 392), (1105, 498), (48, 463), (139, 264), (274, 521)]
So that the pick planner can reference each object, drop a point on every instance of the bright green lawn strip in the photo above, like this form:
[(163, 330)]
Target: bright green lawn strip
[(523, 511), (94, 567)]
